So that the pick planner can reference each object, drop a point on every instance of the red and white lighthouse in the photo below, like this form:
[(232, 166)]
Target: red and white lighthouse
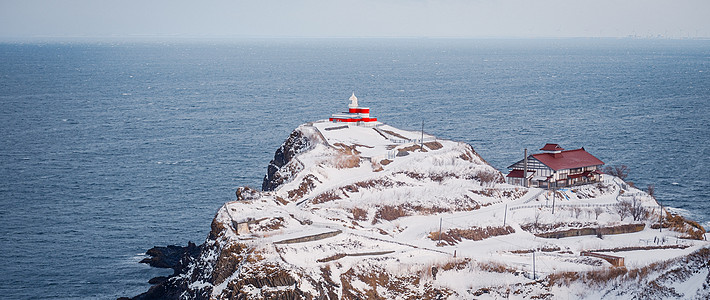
[(356, 115)]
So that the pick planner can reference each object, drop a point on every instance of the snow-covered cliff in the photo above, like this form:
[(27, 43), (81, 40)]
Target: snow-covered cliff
[(354, 212)]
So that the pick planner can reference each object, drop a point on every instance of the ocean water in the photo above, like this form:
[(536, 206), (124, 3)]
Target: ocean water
[(111, 148)]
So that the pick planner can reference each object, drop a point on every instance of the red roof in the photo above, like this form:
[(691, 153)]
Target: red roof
[(519, 173), (552, 147), (569, 159)]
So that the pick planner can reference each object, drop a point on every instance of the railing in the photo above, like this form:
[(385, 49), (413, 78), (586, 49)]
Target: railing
[(391, 154), (414, 141), (574, 205), (534, 196)]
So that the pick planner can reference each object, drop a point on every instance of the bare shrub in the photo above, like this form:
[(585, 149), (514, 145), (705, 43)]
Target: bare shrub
[(370, 184), (494, 267), (428, 210), (359, 214), (440, 177), (651, 191), (346, 156), (412, 148), (382, 283), (413, 175), (280, 200), (454, 235), (434, 145), (599, 277), (653, 284), (485, 192), (325, 197), (692, 229), (246, 194), (389, 213), (269, 224), (488, 177), (308, 184), (623, 208), (637, 211), (546, 248), (621, 171), (345, 161), (606, 188), (456, 264), (377, 183), (577, 211), (598, 211), (377, 167), (466, 203), (536, 221), (516, 194)]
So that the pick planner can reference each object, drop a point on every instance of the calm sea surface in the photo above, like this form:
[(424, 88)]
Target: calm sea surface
[(109, 149)]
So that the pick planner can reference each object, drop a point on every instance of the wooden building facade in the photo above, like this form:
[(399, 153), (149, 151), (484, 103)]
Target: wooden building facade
[(556, 167)]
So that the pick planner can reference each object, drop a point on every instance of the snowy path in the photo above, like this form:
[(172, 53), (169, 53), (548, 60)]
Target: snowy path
[(358, 234), (532, 194)]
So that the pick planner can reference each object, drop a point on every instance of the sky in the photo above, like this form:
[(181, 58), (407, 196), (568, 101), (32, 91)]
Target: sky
[(352, 18)]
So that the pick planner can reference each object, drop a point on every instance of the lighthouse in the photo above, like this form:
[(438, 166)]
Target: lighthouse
[(356, 115)]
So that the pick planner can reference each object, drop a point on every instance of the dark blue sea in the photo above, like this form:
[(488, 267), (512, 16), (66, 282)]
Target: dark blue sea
[(111, 148)]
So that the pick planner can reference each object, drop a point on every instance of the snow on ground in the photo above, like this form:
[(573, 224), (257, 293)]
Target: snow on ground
[(440, 187)]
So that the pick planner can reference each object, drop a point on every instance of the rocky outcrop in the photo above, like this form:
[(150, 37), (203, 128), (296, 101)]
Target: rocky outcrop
[(296, 143), (202, 268), (170, 256), (175, 257), (322, 230)]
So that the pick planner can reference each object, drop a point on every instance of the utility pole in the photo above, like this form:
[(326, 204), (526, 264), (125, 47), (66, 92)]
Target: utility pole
[(534, 274), (660, 219), (554, 192), (422, 141), (440, 220), (505, 215), (525, 169)]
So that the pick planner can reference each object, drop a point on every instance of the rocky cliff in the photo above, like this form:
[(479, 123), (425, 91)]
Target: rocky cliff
[(275, 176), (353, 212)]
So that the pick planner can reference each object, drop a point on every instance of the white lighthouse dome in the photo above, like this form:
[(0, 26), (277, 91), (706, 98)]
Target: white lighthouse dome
[(353, 101)]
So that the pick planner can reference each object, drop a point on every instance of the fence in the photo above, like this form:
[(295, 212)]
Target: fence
[(574, 205), (413, 141)]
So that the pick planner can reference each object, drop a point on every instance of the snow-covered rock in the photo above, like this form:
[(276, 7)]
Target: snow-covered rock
[(382, 213)]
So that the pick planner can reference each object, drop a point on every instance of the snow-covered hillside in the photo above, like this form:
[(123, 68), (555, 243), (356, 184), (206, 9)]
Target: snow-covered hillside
[(361, 212)]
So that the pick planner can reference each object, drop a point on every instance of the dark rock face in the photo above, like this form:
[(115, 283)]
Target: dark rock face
[(174, 257), (168, 257), (294, 144)]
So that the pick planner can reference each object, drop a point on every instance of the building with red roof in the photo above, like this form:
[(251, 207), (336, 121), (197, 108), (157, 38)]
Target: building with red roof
[(556, 167)]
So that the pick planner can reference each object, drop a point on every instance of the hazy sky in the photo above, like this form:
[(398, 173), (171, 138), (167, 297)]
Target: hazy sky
[(350, 18)]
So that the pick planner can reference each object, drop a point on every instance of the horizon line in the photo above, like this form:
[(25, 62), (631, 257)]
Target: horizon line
[(162, 37)]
